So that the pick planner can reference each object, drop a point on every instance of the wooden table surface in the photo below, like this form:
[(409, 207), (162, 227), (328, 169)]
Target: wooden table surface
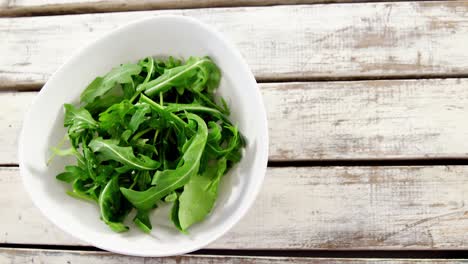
[(367, 105)]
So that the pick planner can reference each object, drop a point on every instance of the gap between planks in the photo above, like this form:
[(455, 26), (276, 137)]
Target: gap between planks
[(32, 87), (338, 254), (16, 256), (352, 163), (19, 8)]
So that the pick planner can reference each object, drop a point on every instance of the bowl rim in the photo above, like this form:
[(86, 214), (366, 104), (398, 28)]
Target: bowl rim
[(262, 154)]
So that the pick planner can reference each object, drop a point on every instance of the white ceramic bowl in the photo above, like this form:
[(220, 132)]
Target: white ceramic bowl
[(154, 36)]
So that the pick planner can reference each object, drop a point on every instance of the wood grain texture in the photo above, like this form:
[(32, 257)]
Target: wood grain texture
[(40, 7), (397, 119), (14, 108), (16, 256), (375, 40), (310, 208)]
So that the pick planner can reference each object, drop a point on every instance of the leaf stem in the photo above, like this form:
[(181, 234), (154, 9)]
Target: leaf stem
[(134, 97), (161, 109), (141, 133), (155, 136), (59, 145), (134, 182), (209, 102), (150, 72)]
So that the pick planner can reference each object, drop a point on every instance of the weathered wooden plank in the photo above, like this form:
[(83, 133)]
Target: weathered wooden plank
[(397, 119), (401, 119), (310, 208), (15, 105), (16, 256), (39, 7), (280, 43)]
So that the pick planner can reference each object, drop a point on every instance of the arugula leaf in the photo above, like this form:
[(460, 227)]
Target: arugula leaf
[(80, 190), (169, 180), (144, 180), (148, 64), (221, 170), (78, 121), (90, 161), (65, 152), (139, 117), (199, 195), (142, 221), (115, 116), (175, 215), (195, 202), (101, 85), (231, 146), (170, 197), (195, 108), (111, 151), (77, 172), (126, 135), (161, 65), (163, 112), (112, 209), (197, 73), (214, 133), (113, 96), (66, 177), (104, 173)]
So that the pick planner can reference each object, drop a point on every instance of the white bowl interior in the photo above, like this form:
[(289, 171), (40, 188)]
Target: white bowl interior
[(155, 36)]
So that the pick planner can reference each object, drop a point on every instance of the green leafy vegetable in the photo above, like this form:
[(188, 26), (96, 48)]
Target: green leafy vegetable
[(169, 180), (112, 207), (199, 195), (142, 221), (111, 151), (102, 85), (198, 73), (151, 132), (171, 197), (79, 122)]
